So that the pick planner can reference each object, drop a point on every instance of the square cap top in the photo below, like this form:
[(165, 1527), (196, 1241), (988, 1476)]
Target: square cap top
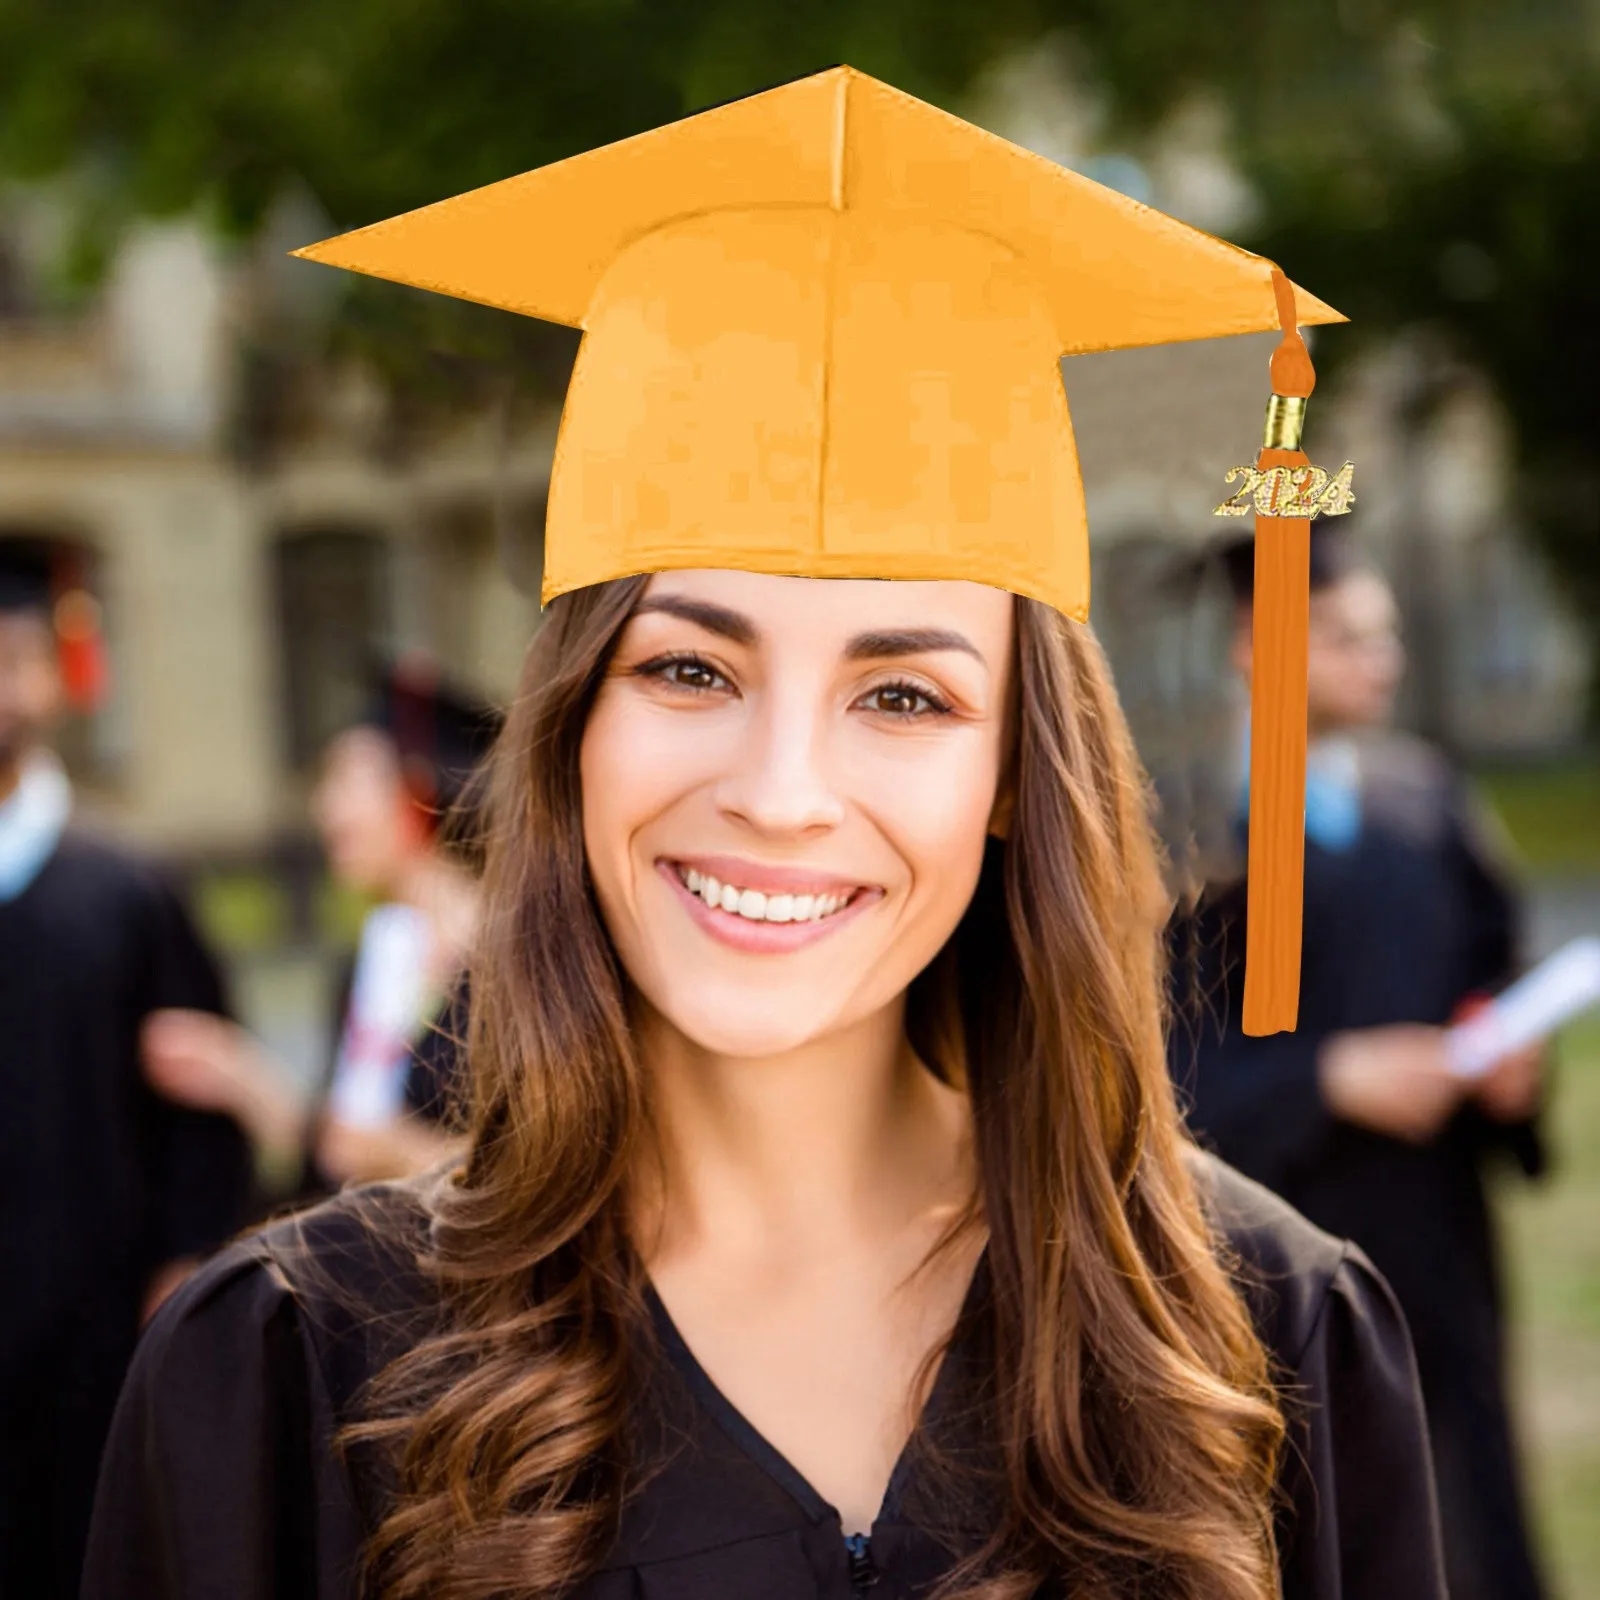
[(822, 335)]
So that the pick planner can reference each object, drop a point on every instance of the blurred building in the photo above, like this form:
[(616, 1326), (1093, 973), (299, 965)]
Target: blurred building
[(243, 590)]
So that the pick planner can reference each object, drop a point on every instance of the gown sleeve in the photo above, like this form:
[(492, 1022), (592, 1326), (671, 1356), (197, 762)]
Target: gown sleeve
[(200, 1163), (220, 1477), (1360, 1519)]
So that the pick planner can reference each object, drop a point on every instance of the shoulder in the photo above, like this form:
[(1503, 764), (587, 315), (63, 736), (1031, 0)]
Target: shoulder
[(1407, 785), (85, 853), (112, 875), (1403, 758), (368, 1237), (337, 1290), (1287, 1268)]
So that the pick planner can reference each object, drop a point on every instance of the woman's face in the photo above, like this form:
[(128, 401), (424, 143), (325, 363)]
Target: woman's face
[(786, 787), (368, 823)]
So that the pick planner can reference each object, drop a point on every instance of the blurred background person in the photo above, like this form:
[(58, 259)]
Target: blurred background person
[(1356, 1118), (394, 809), (109, 1194)]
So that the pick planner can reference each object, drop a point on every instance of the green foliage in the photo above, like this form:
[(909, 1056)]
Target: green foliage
[(240, 911), (382, 105)]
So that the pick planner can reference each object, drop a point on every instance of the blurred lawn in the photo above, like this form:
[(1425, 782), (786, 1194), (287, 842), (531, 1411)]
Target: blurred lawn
[(1552, 1229), (244, 912), (1553, 813), (1552, 1247)]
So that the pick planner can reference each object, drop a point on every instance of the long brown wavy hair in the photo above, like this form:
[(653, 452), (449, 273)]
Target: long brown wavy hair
[(1133, 1423)]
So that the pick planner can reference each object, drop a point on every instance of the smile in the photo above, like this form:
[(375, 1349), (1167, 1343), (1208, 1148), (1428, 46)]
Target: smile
[(756, 906), (765, 910)]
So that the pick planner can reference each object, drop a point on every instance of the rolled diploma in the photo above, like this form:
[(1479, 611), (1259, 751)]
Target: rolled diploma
[(1539, 1002)]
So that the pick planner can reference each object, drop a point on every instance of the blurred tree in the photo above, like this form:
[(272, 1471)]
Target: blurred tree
[(378, 106), (1419, 161)]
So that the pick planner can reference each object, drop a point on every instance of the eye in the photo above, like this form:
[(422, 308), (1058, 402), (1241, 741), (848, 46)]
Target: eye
[(904, 701), (693, 673)]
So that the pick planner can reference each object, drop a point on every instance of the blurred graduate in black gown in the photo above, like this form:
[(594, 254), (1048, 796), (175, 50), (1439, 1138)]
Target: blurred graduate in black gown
[(394, 810), (108, 1193), (1355, 1118)]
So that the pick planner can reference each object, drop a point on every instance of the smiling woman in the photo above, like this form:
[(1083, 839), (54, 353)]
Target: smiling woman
[(827, 1223)]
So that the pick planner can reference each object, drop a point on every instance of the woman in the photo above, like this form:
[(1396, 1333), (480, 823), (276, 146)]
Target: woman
[(390, 809), (805, 1151), (826, 1224)]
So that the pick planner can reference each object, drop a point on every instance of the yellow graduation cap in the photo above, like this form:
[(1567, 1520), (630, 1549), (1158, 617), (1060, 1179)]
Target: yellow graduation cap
[(822, 334)]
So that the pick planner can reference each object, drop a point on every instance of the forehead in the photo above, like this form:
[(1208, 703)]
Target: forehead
[(840, 608), (25, 629)]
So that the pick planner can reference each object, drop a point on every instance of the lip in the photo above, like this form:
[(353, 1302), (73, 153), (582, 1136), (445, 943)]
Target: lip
[(769, 880), (765, 938)]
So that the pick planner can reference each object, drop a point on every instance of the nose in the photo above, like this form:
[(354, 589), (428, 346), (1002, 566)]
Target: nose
[(778, 781)]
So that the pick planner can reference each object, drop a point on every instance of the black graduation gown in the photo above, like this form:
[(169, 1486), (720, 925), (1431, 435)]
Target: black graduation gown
[(1400, 928), (220, 1479), (101, 1182)]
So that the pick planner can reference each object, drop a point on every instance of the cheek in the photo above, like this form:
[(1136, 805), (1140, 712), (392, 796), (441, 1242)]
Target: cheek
[(1326, 678), (934, 806), (632, 764)]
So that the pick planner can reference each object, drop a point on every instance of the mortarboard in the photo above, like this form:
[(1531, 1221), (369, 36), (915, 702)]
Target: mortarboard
[(822, 330), (441, 733), (27, 576)]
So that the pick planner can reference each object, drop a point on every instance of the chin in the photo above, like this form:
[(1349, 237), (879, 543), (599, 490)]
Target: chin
[(751, 1027)]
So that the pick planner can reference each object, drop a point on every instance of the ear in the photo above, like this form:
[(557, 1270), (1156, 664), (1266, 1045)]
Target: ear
[(1241, 648)]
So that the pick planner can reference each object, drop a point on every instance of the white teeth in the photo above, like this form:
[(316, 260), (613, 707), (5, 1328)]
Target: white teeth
[(755, 906)]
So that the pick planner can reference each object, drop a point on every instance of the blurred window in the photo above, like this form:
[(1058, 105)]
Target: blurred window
[(335, 613)]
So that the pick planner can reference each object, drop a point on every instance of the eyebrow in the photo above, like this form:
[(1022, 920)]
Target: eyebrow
[(713, 618), (877, 645)]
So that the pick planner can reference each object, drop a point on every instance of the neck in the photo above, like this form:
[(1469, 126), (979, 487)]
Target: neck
[(847, 1140), (447, 895)]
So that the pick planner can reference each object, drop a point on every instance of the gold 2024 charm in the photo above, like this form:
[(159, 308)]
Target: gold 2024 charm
[(1288, 492)]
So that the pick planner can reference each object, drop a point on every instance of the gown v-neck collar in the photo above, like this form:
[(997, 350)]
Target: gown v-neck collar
[(760, 1450)]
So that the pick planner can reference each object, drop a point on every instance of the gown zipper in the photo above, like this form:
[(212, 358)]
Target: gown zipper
[(863, 1574)]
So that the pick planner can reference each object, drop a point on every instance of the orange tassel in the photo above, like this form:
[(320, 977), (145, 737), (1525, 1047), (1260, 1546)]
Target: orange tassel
[(1281, 622), (80, 649)]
